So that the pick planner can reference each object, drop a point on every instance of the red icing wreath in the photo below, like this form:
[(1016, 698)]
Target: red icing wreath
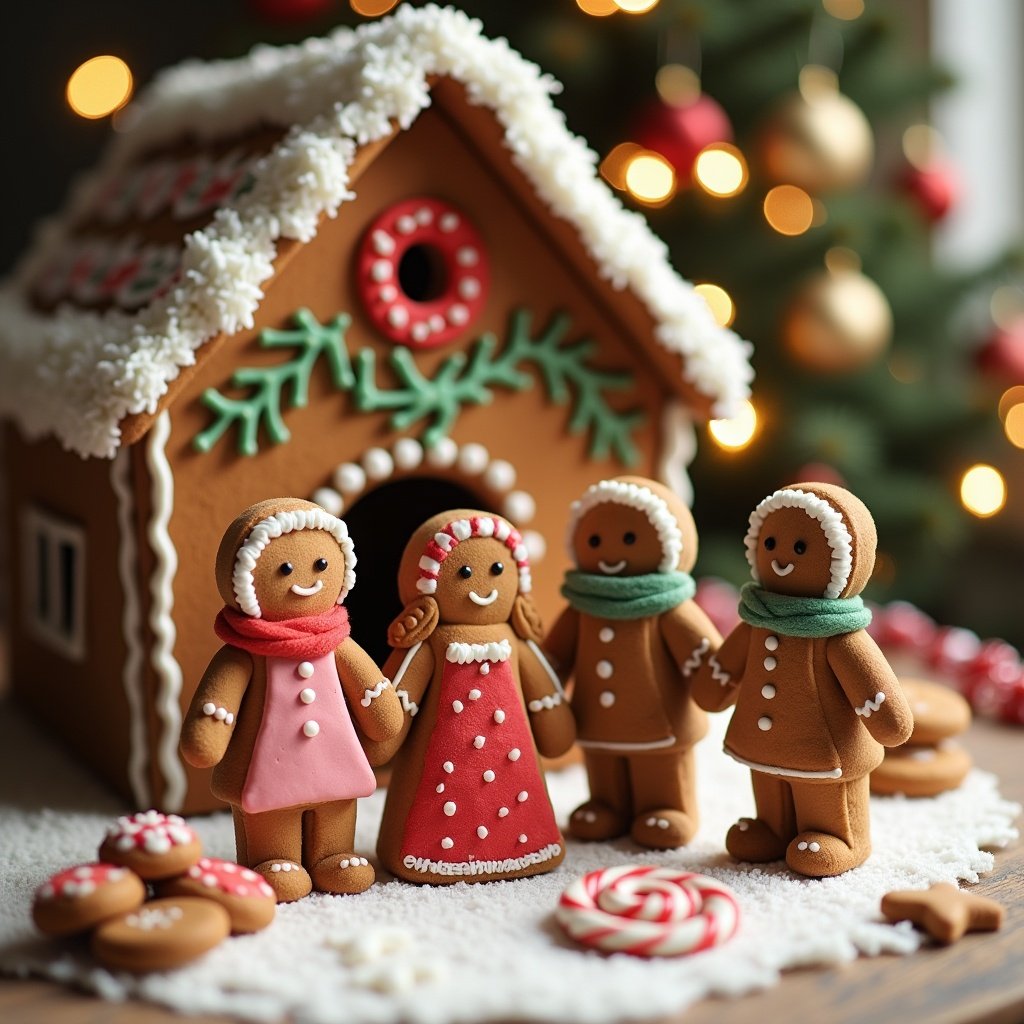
[(422, 273)]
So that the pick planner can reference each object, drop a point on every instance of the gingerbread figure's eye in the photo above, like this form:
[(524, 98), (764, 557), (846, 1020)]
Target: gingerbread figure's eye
[(465, 572), (629, 537), (320, 564), (799, 547), (769, 543), (287, 568), (594, 540), (497, 569)]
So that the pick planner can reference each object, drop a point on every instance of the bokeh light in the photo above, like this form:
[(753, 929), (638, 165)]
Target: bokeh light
[(650, 178), (598, 8), (615, 164), (720, 170), (99, 87), (636, 6), (921, 145), (372, 8), (789, 210), (844, 10), (1013, 424), (736, 432), (983, 490), (1007, 306), (677, 85), (723, 309), (1010, 397)]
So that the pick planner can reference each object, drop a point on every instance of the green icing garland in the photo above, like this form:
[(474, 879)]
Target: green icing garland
[(462, 379)]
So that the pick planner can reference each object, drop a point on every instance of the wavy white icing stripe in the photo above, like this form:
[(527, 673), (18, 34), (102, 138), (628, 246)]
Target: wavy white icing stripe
[(161, 618), (409, 706), (334, 95), (131, 628), (869, 706), (692, 663), (718, 674), (371, 695)]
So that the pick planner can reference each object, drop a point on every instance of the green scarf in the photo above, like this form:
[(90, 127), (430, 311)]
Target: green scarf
[(627, 597), (802, 616)]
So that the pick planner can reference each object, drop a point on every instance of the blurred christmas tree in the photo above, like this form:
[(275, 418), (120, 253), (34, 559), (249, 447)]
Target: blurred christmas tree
[(781, 148)]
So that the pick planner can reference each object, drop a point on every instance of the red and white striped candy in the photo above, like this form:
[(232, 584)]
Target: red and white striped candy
[(648, 911)]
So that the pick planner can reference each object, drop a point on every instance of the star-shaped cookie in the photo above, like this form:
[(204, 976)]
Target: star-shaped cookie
[(945, 912)]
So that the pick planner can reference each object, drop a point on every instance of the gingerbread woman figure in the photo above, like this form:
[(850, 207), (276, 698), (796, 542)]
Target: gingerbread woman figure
[(467, 801), (281, 707), (815, 699), (633, 638)]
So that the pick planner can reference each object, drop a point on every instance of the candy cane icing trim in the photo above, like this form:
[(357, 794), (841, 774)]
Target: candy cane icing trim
[(648, 911), (441, 545)]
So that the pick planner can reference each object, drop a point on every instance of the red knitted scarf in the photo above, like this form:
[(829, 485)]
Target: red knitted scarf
[(309, 636)]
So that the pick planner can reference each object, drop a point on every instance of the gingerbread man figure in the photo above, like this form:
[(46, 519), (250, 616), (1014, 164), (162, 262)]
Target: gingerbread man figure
[(467, 801), (633, 638), (815, 698), (280, 709)]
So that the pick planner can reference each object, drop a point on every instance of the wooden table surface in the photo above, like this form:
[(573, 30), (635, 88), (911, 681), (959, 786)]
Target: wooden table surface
[(980, 979)]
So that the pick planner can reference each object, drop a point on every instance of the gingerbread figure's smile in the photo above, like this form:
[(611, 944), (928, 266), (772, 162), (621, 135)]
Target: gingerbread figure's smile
[(307, 591), (782, 570), (611, 570), (489, 599)]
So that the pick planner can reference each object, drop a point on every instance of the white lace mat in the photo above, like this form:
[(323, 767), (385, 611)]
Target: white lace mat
[(476, 953)]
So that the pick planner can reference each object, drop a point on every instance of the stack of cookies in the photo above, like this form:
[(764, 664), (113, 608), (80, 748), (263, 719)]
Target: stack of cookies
[(931, 761), (201, 900)]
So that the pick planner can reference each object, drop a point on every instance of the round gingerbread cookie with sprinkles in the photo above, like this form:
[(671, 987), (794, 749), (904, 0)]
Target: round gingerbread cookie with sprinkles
[(248, 899), (79, 898), (161, 934), (152, 844)]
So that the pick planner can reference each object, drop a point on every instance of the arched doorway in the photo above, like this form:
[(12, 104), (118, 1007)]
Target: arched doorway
[(381, 522)]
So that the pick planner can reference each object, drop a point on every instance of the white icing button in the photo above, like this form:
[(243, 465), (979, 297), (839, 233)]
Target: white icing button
[(449, 808), (474, 694), (311, 728), (488, 775), (514, 754), (801, 845), (307, 696), (522, 837), (482, 831), (448, 767), (478, 742), (502, 812), (605, 669), (485, 667), (768, 691), (607, 635), (447, 843), (770, 663), (523, 797), (439, 788), (499, 716), (764, 723), (457, 706), (305, 669), (771, 643), (813, 847), (607, 699)]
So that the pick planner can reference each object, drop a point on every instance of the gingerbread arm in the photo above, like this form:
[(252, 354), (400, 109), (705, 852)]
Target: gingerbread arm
[(210, 721), (871, 687), (410, 670), (715, 684), (551, 721), (560, 643), (690, 636), (370, 696)]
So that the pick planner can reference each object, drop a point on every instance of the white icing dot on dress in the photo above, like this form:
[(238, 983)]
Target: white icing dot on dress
[(305, 669), (488, 775), (502, 812), (499, 716), (478, 742), (447, 843), (514, 754), (482, 831), (523, 797), (448, 767), (311, 728), (457, 706), (474, 694), (522, 837), (440, 788), (449, 808)]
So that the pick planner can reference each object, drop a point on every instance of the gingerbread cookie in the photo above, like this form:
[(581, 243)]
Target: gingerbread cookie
[(248, 899), (632, 637), (921, 771), (816, 701), (287, 702), (467, 800), (151, 844), (939, 712), (161, 935), (79, 898), (945, 912)]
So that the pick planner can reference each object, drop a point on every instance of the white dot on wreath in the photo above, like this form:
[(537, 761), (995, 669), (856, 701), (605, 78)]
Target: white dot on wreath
[(500, 475), (407, 452), (442, 453), (329, 499), (473, 458), (520, 507), (535, 544), (349, 478), (378, 464)]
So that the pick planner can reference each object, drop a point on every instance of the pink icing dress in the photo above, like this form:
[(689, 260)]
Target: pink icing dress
[(306, 750)]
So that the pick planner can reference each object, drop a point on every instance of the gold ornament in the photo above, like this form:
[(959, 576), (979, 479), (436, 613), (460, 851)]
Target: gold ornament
[(817, 138), (838, 321)]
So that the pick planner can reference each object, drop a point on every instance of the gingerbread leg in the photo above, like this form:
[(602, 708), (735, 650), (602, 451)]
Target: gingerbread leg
[(834, 823), (665, 799), (329, 832), (608, 811), (273, 847), (764, 838)]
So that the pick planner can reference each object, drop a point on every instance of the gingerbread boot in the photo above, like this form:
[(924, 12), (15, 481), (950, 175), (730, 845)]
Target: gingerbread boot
[(764, 838), (271, 844), (606, 814), (665, 797), (329, 836), (834, 823)]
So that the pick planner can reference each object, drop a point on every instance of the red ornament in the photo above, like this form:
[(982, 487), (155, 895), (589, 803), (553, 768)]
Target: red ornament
[(679, 133), (935, 187), (1002, 355), (285, 12)]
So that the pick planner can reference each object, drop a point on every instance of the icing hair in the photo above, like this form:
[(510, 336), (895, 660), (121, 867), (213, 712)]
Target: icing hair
[(441, 545), (659, 515), (837, 535), (274, 526)]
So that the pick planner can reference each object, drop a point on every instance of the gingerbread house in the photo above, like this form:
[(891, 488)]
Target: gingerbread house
[(373, 269)]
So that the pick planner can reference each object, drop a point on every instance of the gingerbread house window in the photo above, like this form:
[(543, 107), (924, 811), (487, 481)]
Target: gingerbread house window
[(54, 581)]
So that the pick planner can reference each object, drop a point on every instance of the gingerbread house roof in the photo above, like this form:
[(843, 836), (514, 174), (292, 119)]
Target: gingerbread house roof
[(77, 373)]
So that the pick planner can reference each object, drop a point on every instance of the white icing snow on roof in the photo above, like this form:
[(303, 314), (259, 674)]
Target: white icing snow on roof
[(76, 373)]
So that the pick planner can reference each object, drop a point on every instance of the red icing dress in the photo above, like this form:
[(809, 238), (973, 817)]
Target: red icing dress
[(481, 807)]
